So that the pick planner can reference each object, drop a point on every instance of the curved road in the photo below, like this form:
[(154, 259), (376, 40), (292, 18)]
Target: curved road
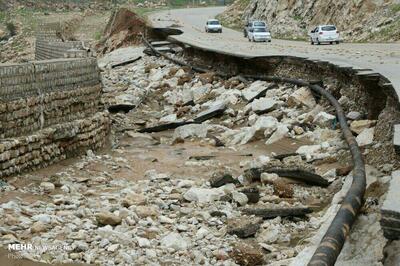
[(381, 58)]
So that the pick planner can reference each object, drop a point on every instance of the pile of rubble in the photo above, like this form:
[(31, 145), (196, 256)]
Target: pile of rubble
[(132, 205)]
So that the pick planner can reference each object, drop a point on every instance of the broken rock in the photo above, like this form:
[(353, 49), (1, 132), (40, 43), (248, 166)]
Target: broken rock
[(254, 89), (247, 255), (192, 130), (324, 119), (203, 194), (175, 241), (359, 125), (280, 133), (108, 218), (220, 179), (263, 105), (366, 137), (239, 198), (243, 227), (302, 97)]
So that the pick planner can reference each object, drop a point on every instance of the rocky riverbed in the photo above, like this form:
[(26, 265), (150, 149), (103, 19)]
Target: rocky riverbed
[(191, 176)]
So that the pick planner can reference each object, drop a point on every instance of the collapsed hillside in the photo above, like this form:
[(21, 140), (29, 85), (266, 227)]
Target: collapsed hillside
[(364, 20)]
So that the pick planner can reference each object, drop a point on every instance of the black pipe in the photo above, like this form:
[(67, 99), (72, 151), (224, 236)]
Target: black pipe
[(332, 243)]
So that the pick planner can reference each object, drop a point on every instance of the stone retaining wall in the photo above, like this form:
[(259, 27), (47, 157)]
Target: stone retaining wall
[(49, 44), (53, 144), (49, 49), (49, 110)]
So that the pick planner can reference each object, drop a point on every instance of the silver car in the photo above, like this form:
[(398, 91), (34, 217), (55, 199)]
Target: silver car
[(259, 35), (213, 25), (251, 25), (325, 34)]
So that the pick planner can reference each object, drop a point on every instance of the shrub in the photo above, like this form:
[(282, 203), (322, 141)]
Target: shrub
[(12, 29)]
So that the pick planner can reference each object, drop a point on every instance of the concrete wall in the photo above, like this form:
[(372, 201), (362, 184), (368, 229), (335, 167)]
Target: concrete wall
[(49, 110)]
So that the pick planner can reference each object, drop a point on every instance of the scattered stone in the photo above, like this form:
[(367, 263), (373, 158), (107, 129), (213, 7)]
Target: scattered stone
[(366, 137), (47, 187), (263, 105), (108, 218), (280, 133), (192, 130), (254, 89), (133, 199), (283, 189), (203, 194), (243, 227), (146, 211), (220, 179), (298, 130), (247, 255), (239, 198), (143, 242), (358, 126), (175, 241), (324, 119), (253, 194), (38, 227), (302, 97), (353, 115)]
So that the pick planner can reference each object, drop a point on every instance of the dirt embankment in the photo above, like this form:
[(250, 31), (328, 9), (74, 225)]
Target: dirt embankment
[(124, 28), (365, 20)]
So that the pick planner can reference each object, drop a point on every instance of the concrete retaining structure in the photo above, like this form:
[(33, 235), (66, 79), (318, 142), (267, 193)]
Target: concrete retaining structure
[(390, 210)]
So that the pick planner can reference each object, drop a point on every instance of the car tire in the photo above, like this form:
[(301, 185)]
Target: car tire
[(337, 42), (270, 41), (318, 42), (312, 42)]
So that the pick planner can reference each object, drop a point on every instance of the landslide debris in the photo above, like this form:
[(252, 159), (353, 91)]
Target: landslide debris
[(124, 28)]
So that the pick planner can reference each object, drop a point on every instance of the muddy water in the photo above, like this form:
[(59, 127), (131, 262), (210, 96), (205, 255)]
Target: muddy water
[(195, 158)]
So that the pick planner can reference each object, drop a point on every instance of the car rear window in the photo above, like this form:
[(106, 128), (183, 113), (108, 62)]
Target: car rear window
[(213, 23), (260, 30), (259, 24), (328, 28)]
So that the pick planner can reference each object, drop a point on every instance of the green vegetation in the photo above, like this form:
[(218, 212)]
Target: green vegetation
[(395, 8), (390, 32), (298, 18), (12, 29)]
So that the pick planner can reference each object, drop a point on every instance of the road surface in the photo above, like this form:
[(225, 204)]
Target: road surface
[(381, 58)]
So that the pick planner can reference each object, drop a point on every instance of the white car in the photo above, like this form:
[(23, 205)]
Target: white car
[(259, 35), (325, 34), (213, 25), (251, 25)]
